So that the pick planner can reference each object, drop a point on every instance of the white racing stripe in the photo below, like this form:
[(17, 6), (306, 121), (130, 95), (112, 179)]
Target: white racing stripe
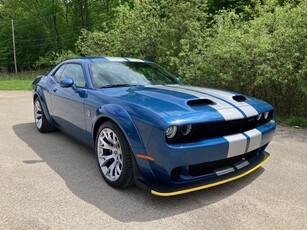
[(219, 104), (135, 60), (230, 114), (255, 139), (226, 110), (115, 59), (215, 92), (237, 144), (245, 107)]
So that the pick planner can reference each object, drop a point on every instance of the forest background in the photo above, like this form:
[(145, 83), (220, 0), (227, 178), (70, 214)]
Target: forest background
[(256, 47)]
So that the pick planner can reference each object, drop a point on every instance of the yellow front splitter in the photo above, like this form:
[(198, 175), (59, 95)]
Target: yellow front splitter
[(212, 184)]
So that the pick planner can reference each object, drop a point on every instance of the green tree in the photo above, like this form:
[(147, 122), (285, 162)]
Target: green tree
[(265, 57), (150, 29)]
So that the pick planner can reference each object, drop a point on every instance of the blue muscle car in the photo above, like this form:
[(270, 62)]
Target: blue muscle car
[(149, 129)]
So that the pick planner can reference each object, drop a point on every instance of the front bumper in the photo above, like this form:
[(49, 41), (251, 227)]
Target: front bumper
[(222, 179), (180, 169)]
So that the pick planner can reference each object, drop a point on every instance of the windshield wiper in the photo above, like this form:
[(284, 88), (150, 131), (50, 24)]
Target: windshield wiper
[(117, 85)]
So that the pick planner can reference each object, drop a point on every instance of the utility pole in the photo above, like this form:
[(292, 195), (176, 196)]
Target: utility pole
[(13, 34)]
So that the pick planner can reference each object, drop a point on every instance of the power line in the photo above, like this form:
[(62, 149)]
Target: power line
[(42, 44), (52, 15), (42, 39)]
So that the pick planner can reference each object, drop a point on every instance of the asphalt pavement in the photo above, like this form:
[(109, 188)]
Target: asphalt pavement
[(50, 181)]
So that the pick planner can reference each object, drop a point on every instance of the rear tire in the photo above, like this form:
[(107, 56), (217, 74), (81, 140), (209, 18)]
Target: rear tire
[(114, 156), (40, 119)]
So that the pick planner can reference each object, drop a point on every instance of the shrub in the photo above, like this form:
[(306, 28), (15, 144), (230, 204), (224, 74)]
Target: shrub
[(263, 56)]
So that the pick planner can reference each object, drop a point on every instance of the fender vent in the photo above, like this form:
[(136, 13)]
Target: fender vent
[(239, 98), (200, 102)]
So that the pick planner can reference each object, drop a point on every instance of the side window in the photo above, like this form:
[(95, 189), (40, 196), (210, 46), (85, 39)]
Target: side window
[(75, 72), (58, 73)]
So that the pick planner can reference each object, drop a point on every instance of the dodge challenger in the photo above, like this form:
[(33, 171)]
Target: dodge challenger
[(149, 129)]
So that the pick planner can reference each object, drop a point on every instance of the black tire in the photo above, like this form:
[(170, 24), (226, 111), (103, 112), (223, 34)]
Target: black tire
[(44, 126), (125, 179)]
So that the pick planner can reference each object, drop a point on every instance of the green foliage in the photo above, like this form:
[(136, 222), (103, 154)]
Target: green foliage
[(96, 43), (247, 7), (264, 57), (255, 47), (150, 29), (292, 121), (43, 27), (53, 58)]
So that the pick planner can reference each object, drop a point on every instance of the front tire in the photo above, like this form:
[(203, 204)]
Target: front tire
[(40, 119), (114, 156)]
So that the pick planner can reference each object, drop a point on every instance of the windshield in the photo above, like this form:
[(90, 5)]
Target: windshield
[(109, 74)]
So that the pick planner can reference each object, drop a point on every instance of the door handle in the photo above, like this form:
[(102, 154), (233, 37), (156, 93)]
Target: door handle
[(55, 89)]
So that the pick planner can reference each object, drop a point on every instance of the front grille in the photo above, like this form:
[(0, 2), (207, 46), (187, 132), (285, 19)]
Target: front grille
[(201, 169), (218, 129), (226, 128)]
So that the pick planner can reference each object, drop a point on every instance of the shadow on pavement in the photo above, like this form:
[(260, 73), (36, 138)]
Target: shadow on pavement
[(77, 165)]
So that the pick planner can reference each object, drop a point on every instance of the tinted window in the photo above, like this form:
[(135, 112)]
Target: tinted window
[(133, 73), (75, 72)]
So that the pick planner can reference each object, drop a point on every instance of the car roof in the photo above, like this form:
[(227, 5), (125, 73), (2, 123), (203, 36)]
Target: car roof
[(106, 59)]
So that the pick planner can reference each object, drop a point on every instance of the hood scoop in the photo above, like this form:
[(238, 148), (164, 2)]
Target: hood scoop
[(239, 98), (200, 102)]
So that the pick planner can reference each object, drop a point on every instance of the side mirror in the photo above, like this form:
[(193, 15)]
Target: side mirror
[(67, 82)]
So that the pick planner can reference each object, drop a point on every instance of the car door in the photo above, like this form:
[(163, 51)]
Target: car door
[(67, 105)]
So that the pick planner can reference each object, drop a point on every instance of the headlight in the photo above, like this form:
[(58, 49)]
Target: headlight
[(266, 115), (171, 132), (259, 117), (186, 129)]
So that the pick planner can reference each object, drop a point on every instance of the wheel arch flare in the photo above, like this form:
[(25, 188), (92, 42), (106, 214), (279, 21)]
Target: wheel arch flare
[(123, 120)]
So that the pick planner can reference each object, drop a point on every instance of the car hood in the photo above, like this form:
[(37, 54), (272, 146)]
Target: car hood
[(178, 100)]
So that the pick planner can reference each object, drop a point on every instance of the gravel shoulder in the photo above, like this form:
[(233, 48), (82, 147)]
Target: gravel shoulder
[(50, 181)]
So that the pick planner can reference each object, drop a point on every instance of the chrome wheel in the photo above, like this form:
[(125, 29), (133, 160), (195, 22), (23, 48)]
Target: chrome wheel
[(38, 114), (110, 156)]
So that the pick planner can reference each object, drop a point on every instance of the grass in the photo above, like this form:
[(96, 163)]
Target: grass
[(15, 84), (292, 121), (19, 81)]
